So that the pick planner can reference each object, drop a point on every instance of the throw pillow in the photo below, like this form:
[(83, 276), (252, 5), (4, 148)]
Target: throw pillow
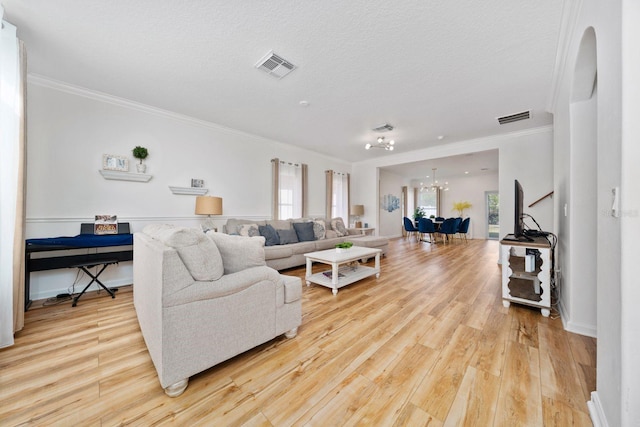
[(249, 230), (319, 229), (338, 226), (304, 231), (270, 235), (201, 256), (287, 236), (239, 252)]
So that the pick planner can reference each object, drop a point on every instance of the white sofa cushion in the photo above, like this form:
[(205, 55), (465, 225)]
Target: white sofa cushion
[(199, 254), (239, 252)]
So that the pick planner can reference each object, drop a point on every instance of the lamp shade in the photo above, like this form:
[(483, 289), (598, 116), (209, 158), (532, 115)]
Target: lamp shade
[(208, 205), (357, 210)]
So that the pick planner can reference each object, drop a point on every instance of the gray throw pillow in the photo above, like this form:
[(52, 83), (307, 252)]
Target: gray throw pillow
[(287, 236), (239, 252), (304, 231), (270, 235)]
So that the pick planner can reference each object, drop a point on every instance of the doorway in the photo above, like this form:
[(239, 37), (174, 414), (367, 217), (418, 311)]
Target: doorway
[(492, 214)]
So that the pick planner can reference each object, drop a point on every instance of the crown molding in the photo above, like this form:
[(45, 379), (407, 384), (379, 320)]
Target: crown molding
[(60, 86), (39, 80), (570, 13)]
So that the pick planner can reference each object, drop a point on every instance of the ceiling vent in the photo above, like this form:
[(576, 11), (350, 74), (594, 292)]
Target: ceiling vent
[(275, 65), (383, 128), (514, 117)]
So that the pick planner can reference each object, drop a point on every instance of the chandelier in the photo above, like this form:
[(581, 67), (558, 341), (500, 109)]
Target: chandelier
[(381, 143), (434, 186)]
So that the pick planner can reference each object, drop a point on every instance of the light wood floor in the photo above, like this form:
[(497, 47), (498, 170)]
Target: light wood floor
[(429, 343)]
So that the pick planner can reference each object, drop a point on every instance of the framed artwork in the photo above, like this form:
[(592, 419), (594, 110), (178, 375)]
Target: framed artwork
[(115, 163), (197, 183)]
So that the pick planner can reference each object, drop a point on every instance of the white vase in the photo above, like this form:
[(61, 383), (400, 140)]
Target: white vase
[(141, 167), (338, 250)]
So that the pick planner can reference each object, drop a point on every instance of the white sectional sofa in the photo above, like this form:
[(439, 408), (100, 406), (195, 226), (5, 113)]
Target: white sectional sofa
[(282, 254)]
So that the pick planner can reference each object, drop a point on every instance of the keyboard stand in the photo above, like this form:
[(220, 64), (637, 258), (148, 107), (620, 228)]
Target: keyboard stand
[(84, 266)]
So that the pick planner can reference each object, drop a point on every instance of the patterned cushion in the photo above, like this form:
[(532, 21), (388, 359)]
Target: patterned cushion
[(249, 230), (287, 236), (338, 226), (304, 231), (270, 235), (319, 229)]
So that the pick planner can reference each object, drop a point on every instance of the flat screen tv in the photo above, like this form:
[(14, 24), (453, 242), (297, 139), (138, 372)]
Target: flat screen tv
[(518, 222)]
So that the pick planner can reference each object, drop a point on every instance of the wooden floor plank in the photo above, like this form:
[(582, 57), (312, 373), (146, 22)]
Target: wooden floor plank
[(428, 343)]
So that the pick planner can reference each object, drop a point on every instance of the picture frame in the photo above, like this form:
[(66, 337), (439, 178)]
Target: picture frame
[(197, 183), (115, 163)]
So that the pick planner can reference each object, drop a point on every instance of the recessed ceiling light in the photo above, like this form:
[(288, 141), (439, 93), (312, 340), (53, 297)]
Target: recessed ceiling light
[(304, 103), (466, 172), (440, 137)]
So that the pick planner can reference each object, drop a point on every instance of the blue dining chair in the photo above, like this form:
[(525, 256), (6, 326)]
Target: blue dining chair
[(439, 218), (464, 228), (410, 228), (448, 228), (425, 226)]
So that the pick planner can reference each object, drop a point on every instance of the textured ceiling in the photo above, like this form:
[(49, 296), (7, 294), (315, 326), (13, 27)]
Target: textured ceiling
[(428, 68)]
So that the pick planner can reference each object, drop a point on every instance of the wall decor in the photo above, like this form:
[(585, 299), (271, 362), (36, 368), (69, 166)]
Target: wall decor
[(115, 163), (197, 183), (389, 202)]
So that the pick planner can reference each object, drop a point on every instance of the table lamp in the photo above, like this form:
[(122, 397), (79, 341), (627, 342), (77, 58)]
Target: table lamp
[(357, 211), (208, 205)]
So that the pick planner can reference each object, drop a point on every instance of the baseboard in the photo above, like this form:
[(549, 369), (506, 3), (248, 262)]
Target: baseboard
[(575, 327), (595, 411), (108, 283)]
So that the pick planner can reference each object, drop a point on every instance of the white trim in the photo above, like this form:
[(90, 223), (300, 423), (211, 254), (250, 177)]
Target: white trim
[(596, 413), (570, 13), (574, 327), (116, 283)]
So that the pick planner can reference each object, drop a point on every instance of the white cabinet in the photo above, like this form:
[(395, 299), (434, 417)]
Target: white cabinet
[(525, 282)]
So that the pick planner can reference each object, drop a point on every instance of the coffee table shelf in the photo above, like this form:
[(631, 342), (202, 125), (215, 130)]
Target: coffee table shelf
[(342, 275)]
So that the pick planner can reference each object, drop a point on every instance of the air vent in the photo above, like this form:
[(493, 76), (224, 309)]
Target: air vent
[(383, 128), (275, 65), (514, 117)]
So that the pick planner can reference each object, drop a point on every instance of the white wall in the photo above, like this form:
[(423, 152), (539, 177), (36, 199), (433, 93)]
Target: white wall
[(615, 401), (390, 222), (472, 189), (68, 131)]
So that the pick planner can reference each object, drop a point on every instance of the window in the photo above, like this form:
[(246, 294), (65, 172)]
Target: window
[(337, 195), (428, 201), (289, 182), (340, 196)]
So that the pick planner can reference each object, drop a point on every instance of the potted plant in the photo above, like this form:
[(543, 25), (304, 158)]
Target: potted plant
[(344, 246), (461, 206), (418, 213), (140, 153)]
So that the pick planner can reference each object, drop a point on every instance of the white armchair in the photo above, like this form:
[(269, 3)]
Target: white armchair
[(200, 303)]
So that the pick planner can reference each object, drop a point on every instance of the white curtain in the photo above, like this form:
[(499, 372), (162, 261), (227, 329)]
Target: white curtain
[(11, 111), (290, 190), (340, 196)]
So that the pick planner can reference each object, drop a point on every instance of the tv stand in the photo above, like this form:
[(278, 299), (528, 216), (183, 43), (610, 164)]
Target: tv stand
[(531, 288)]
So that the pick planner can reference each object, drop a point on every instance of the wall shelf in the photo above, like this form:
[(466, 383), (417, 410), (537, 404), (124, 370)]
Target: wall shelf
[(190, 191), (125, 176)]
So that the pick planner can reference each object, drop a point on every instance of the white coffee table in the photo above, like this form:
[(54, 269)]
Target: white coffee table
[(339, 277)]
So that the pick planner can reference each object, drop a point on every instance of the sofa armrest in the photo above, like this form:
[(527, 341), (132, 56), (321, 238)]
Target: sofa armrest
[(227, 285)]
